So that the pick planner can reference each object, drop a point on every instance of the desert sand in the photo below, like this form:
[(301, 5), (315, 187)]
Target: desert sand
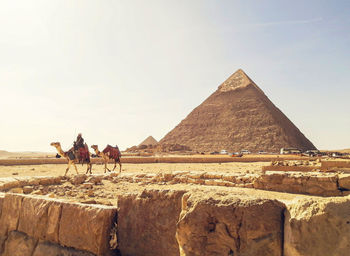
[(59, 169)]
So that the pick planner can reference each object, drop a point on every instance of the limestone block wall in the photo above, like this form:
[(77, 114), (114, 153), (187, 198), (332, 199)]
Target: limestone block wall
[(27, 220), (330, 184), (168, 221), (335, 164)]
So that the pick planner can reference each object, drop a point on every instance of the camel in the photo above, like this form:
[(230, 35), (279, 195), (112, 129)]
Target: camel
[(83, 157), (109, 153)]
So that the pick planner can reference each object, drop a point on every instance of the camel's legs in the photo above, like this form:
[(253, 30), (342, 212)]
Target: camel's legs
[(76, 169), (120, 165), (89, 166), (69, 163), (106, 166), (115, 164)]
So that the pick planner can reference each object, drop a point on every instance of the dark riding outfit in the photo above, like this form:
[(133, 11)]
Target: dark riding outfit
[(78, 144)]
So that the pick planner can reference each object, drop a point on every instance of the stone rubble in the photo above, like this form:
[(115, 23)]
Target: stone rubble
[(195, 213)]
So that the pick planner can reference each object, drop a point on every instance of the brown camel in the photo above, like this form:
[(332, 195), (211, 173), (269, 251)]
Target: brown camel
[(109, 153), (83, 157)]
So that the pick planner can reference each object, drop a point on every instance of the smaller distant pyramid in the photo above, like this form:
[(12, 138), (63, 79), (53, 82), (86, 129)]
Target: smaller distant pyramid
[(149, 141)]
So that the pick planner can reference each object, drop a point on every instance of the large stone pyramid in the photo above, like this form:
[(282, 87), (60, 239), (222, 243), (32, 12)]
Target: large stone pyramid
[(238, 115)]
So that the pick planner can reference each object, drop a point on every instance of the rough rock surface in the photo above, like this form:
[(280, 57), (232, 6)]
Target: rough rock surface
[(93, 223), (237, 116), (181, 213), (18, 182), (50, 249), (84, 227), (39, 218), (1, 201), (230, 226), (322, 184), (19, 244), (317, 227), (147, 223)]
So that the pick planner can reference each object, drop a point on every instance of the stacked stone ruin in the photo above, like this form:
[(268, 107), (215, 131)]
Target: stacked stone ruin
[(183, 218)]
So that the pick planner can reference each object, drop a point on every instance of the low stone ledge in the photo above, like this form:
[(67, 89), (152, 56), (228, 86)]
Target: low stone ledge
[(289, 168), (322, 185), (9, 183), (327, 165)]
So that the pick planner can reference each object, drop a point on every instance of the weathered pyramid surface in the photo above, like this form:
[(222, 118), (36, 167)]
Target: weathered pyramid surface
[(149, 141), (238, 115)]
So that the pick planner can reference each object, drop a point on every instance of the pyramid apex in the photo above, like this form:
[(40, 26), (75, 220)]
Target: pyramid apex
[(239, 79)]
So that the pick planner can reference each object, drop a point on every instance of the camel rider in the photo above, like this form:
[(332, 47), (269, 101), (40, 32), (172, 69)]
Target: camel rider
[(79, 143)]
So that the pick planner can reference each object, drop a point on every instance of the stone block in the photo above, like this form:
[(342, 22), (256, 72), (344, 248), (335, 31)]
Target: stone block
[(78, 179), (87, 227), (315, 227), (230, 226), (147, 223), (344, 181), (50, 180), (11, 208), (39, 218)]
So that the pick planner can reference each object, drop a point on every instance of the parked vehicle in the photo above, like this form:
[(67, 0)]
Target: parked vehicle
[(312, 153), (294, 151), (223, 152), (245, 152), (337, 155), (262, 153)]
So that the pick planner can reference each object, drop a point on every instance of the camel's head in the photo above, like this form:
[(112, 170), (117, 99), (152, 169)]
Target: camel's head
[(55, 144), (94, 147)]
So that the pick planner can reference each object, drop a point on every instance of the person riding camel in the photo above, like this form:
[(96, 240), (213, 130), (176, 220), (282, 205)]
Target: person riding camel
[(79, 143)]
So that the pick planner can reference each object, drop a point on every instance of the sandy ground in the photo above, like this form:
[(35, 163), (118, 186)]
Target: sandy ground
[(107, 192), (59, 169)]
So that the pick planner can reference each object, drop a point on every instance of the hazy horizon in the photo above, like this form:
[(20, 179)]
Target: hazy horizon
[(120, 71)]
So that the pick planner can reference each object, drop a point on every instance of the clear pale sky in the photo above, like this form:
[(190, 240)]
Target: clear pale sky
[(119, 71)]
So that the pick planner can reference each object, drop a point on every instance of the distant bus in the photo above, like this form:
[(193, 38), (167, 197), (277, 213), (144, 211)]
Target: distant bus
[(284, 151)]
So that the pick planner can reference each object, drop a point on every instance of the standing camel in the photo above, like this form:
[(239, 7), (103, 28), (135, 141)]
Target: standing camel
[(83, 157), (109, 153)]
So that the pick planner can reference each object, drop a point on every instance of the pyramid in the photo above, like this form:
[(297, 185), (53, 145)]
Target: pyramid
[(149, 141), (238, 115)]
